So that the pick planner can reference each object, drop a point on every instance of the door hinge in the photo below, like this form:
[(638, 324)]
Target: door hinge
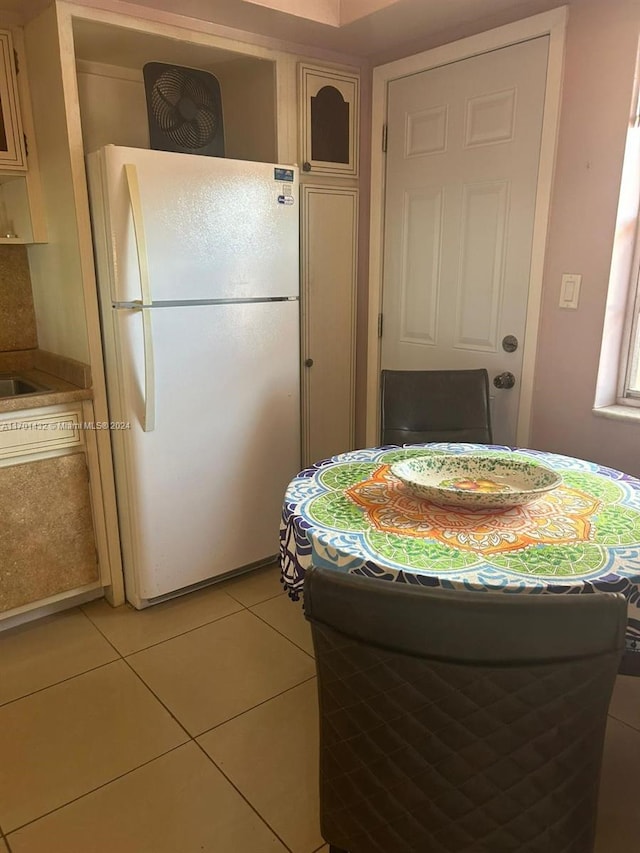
[(379, 325), (384, 138), (15, 61)]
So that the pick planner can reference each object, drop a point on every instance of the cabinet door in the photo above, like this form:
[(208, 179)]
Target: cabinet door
[(47, 545), (12, 148), (329, 115), (329, 259)]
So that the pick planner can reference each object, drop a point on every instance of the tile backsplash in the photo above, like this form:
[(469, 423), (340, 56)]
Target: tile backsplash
[(17, 316)]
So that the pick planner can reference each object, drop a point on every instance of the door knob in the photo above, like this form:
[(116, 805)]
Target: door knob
[(504, 380), (308, 362)]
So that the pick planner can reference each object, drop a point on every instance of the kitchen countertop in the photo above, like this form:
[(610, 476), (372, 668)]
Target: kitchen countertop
[(69, 380)]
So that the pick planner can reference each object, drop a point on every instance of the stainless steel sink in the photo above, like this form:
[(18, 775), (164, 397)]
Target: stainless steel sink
[(16, 386)]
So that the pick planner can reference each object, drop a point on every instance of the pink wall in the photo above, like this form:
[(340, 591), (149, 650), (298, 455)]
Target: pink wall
[(601, 46)]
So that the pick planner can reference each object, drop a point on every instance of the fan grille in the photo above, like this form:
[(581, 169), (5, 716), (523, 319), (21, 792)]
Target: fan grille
[(185, 111)]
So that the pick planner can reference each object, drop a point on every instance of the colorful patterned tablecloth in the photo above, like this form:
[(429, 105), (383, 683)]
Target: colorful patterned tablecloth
[(351, 514)]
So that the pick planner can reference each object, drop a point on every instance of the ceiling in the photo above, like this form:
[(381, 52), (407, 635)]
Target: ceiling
[(336, 13), (376, 29)]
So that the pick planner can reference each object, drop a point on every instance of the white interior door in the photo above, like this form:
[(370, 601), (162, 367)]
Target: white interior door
[(462, 167)]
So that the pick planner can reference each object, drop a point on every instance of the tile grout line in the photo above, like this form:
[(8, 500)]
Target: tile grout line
[(256, 603), (190, 738), (253, 707), (222, 722), (101, 633), (633, 728), (252, 573), (119, 655), (239, 792), (93, 790), (58, 683), (277, 630), (193, 739), (158, 699), (235, 716), (124, 655), (166, 639), (69, 677), (241, 607), (187, 631)]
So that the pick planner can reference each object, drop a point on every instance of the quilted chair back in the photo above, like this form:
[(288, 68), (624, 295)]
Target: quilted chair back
[(460, 722), (435, 405)]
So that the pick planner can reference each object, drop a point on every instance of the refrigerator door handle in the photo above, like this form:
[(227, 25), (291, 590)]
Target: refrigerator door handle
[(138, 228), (149, 414), (149, 422)]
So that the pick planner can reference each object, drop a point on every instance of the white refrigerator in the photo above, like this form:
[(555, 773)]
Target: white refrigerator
[(198, 278)]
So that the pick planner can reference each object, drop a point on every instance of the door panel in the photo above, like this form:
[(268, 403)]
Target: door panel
[(482, 240), (461, 182), (422, 217), (330, 221)]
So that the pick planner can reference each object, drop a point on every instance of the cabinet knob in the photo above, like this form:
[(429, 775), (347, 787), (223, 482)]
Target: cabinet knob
[(308, 362), (306, 166)]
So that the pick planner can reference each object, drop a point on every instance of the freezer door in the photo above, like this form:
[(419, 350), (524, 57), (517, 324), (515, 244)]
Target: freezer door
[(208, 227), (202, 494)]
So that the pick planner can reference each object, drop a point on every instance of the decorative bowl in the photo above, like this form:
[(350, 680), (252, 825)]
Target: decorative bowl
[(474, 482)]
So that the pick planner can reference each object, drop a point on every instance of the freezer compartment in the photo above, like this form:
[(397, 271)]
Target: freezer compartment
[(201, 494), (205, 228)]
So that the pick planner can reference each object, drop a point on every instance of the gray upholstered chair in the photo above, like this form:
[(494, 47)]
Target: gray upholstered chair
[(460, 722), (435, 405)]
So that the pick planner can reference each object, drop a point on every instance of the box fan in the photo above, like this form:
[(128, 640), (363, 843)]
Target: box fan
[(184, 108)]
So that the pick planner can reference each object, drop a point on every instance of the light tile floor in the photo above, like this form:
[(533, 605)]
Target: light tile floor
[(192, 726)]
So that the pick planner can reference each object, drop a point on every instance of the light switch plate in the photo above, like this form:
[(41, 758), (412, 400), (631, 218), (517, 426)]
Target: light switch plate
[(570, 290)]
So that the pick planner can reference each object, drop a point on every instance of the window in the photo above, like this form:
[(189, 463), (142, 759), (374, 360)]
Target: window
[(629, 374), (630, 385), (618, 387), (628, 392)]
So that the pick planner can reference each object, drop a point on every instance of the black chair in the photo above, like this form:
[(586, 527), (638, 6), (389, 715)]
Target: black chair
[(435, 405), (460, 722)]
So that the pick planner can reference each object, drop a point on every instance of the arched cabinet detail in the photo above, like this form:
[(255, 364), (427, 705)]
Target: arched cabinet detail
[(329, 104)]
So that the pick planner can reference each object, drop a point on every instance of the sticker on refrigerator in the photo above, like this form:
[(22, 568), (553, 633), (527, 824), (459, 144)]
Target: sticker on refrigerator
[(283, 175), (285, 199)]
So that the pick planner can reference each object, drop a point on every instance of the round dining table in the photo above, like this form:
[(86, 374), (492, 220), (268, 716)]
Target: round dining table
[(350, 513)]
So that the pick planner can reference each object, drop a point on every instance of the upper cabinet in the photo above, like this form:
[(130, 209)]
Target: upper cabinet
[(329, 106), (21, 207), (12, 148)]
